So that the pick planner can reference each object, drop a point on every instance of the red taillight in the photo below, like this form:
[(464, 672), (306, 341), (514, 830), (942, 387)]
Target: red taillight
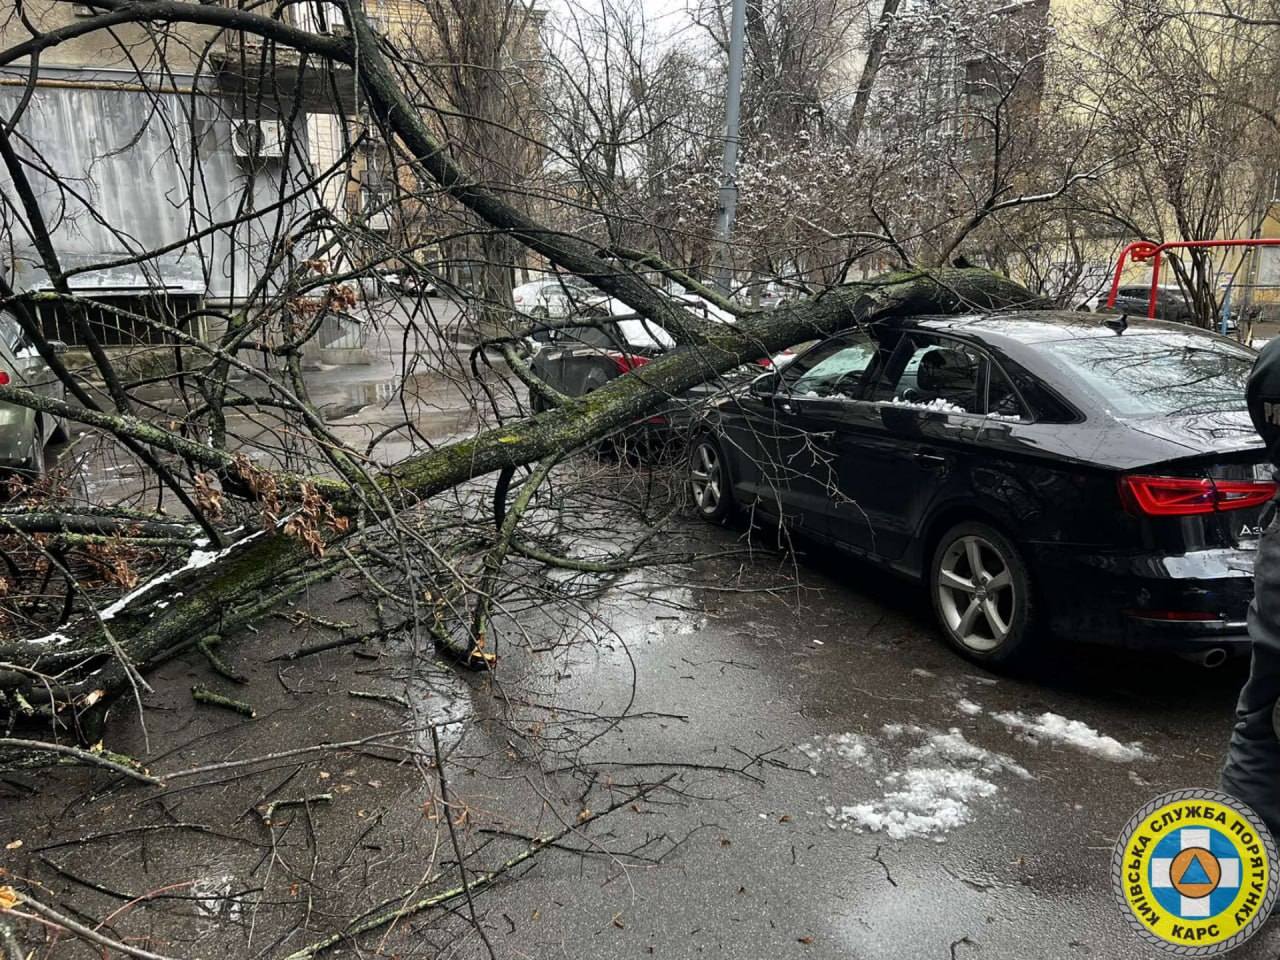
[(518, 298), (626, 362), (1187, 496), (765, 362), (4, 379), (1237, 494)]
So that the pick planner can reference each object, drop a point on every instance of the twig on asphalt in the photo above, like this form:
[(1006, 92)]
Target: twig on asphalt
[(295, 752), (266, 811), (453, 840), (478, 881), (54, 918), (204, 695), (359, 639), (383, 697), (85, 756), (12, 949), (205, 645)]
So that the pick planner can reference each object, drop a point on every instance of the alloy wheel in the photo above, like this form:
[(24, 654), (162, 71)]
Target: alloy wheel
[(706, 478), (976, 593)]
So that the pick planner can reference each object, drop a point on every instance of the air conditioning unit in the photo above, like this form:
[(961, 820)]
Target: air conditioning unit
[(257, 139)]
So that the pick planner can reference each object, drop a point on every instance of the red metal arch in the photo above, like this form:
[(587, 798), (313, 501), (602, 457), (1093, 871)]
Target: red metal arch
[(1141, 250)]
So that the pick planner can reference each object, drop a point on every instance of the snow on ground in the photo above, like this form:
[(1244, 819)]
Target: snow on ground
[(928, 779), (853, 748), (968, 707), (1054, 728)]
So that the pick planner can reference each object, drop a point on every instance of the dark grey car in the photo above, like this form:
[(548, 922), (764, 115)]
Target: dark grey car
[(577, 360), (1171, 304), (24, 433)]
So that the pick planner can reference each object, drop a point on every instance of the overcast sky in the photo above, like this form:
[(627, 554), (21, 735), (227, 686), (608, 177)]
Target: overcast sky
[(663, 16)]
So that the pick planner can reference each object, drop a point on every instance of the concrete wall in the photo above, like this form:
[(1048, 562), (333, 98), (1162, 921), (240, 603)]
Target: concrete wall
[(133, 46)]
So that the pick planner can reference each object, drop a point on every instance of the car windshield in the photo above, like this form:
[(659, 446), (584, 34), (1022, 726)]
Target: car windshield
[(1158, 374)]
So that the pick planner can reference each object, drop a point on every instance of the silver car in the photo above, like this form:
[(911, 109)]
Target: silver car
[(25, 432)]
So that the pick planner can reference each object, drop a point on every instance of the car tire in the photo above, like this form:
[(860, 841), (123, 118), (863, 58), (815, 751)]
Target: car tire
[(981, 592), (709, 481)]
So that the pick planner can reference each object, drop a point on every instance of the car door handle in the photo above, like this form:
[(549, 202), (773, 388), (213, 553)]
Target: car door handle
[(930, 459), (966, 429)]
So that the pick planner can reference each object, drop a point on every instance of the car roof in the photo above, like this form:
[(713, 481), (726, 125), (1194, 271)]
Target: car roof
[(1047, 326)]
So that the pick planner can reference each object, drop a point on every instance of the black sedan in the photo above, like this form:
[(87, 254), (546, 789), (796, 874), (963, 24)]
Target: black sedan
[(1044, 473)]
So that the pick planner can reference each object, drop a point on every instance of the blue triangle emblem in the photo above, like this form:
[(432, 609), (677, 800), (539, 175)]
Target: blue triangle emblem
[(1194, 873)]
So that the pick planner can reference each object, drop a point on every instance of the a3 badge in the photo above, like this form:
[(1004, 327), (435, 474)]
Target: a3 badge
[(1195, 872)]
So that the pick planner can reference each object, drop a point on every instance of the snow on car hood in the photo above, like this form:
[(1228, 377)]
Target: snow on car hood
[(638, 332)]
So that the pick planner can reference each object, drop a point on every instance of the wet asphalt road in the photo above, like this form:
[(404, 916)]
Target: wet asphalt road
[(772, 708), (796, 705), (763, 869)]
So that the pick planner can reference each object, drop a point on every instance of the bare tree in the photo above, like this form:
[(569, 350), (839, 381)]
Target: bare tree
[(1185, 109)]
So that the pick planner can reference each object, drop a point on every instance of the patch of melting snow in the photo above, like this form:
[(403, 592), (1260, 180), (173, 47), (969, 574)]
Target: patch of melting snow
[(1054, 728), (214, 900), (927, 802), (688, 628), (968, 707), (937, 403), (952, 748), (929, 784), (198, 559)]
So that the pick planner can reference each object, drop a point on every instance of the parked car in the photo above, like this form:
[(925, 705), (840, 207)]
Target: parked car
[(613, 341), (1171, 304), (774, 293), (411, 284), (24, 433), (551, 297), (1043, 473)]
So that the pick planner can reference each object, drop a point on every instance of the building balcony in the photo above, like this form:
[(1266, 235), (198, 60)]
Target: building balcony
[(254, 70)]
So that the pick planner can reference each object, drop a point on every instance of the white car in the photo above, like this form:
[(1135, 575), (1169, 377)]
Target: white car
[(700, 306), (551, 297)]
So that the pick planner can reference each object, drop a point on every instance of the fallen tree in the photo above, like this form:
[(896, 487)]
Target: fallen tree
[(316, 523)]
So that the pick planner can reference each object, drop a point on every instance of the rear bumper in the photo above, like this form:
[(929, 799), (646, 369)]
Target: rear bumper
[(1179, 602)]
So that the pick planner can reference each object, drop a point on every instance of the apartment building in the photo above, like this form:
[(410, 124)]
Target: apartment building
[(172, 163)]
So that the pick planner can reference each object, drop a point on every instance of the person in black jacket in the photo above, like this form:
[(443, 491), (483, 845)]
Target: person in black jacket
[(1252, 770)]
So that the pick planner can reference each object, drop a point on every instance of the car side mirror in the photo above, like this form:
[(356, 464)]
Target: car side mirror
[(765, 385), (58, 347)]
